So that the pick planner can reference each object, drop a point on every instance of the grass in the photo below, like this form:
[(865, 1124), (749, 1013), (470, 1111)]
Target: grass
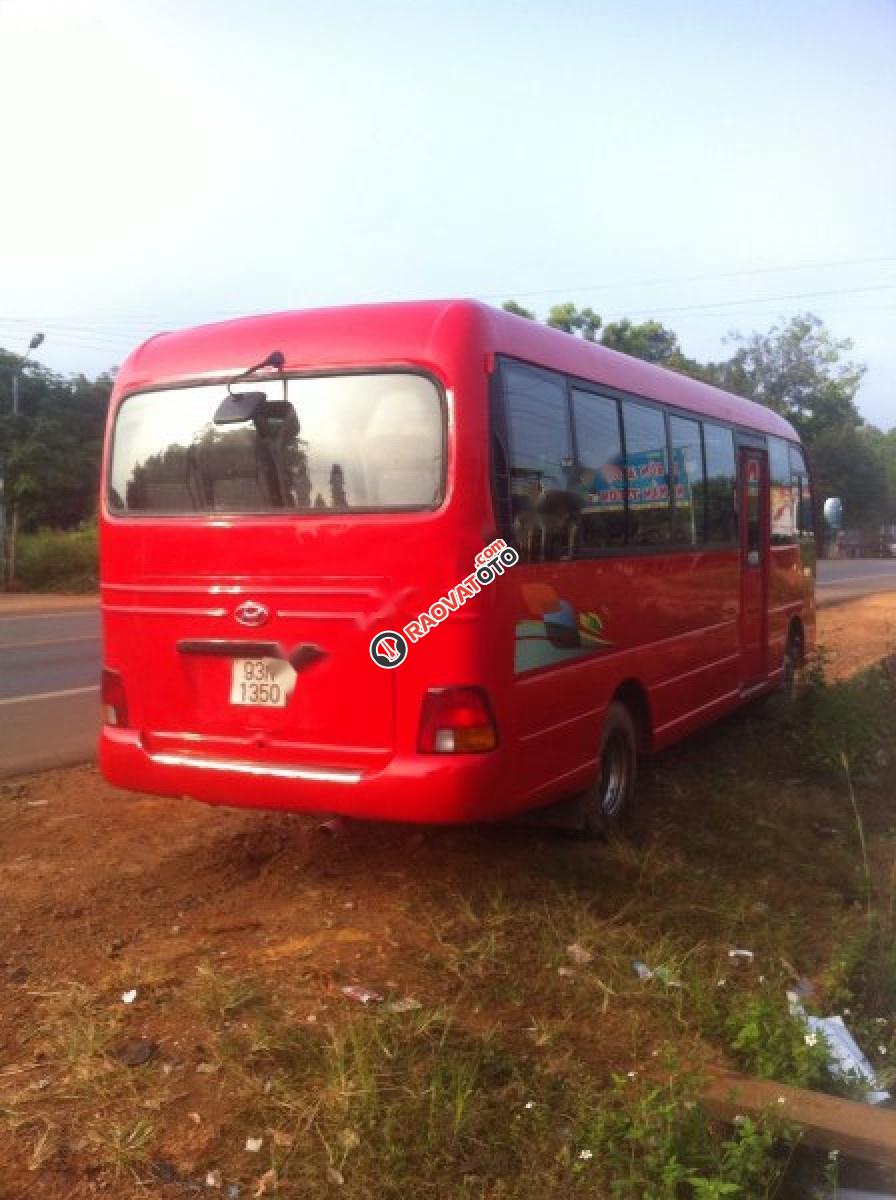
[(58, 561), (528, 1071)]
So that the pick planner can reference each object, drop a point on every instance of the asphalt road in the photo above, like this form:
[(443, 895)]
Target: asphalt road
[(49, 688), (50, 662), (849, 578)]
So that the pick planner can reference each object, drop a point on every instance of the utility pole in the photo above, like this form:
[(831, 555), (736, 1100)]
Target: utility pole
[(14, 511)]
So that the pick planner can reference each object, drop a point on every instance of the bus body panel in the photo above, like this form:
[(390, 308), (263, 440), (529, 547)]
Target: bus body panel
[(678, 642), (550, 643)]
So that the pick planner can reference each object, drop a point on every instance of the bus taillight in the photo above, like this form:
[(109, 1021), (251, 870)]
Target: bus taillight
[(114, 701), (456, 720)]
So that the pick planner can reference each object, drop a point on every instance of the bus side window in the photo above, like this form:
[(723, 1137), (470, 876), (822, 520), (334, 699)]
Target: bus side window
[(647, 475), (601, 476), (781, 506), (544, 508), (689, 500), (721, 479)]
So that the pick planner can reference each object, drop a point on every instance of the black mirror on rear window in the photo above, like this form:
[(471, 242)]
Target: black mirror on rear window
[(235, 409)]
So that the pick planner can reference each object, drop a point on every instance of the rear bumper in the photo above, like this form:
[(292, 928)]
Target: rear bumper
[(422, 788)]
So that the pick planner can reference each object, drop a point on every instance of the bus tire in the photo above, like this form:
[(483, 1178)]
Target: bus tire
[(608, 800), (793, 659)]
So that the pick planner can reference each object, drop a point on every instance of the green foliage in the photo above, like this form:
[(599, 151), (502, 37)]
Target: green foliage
[(51, 560), (798, 370), (847, 464), (574, 320), (884, 447), (650, 340), (654, 1140), (517, 310), (52, 448), (862, 975), (771, 1044), (857, 718)]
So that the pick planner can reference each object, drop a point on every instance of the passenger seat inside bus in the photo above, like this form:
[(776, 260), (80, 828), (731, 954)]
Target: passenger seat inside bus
[(230, 478)]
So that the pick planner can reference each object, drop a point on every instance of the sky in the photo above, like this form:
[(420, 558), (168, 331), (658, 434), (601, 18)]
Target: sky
[(715, 164)]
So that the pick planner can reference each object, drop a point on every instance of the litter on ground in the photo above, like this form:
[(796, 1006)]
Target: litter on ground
[(845, 1059), (361, 994), (579, 954)]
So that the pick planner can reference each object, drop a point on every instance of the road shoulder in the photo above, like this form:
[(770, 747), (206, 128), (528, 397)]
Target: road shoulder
[(25, 604)]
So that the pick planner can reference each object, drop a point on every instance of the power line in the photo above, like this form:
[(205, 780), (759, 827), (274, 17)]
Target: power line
[(878, 287), (776, 312), (122, 320), (595, 287), (102, 337)]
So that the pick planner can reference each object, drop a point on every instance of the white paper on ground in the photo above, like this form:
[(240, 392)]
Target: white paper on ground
[(847, 1060)]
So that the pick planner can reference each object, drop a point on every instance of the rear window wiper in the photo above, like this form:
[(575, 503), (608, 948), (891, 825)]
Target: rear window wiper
[(234, 409)]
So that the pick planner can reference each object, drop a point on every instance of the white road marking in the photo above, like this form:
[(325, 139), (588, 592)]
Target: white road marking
[(92, 637), (50, 695)]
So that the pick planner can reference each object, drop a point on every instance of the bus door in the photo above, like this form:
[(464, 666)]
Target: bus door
[(753, 510)]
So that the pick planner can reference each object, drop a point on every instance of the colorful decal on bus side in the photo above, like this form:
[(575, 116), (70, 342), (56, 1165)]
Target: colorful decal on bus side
[(560, 633)]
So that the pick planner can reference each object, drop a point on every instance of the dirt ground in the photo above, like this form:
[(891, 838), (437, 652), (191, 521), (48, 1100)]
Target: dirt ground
[(104, 892), (856, 634)]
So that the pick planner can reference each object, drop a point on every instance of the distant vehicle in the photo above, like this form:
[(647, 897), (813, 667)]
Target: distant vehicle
[(290, 503)]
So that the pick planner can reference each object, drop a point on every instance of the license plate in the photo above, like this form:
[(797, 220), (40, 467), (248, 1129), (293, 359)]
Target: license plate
[(261, 682)]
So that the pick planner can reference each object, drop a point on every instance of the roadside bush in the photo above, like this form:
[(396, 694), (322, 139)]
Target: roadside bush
[(54, 561), (771, 1044), (855, 718), (654, 1140)]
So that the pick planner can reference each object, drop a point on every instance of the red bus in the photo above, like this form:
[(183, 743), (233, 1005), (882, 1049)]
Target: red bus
[(573, 557)]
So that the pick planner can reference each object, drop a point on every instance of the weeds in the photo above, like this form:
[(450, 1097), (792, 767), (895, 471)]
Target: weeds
[(652, 1139), (222, 995), (855, 719), (770, 1043), (74, 1032), (121, 1147), (860, 828)]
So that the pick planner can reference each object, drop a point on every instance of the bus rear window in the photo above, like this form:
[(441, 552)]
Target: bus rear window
[(360, 442)]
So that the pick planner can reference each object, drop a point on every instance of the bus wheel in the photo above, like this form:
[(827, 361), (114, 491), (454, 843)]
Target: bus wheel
[(609, 797), (793, 660)]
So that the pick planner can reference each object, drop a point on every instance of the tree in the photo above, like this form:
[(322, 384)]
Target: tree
[(653, 342), (573, 320), (846, 463), (884, 446), (52, 448), (650, 340), (511, 306), (797, 369)]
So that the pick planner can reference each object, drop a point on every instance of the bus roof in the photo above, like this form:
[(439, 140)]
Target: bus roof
[(420, 332)]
